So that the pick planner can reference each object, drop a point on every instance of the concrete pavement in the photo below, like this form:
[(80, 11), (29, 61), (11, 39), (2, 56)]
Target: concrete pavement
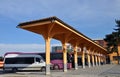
[(97, 71)]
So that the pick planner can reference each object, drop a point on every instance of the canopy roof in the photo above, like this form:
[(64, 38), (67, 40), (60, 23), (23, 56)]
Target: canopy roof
[(55, 28)]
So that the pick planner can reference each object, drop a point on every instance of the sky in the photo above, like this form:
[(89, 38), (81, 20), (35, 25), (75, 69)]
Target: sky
[(93, 18)]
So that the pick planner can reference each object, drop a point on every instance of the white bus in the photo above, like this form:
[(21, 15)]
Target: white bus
[(15, 62)]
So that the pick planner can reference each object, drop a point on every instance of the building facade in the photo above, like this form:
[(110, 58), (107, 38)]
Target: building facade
[(113, 57)]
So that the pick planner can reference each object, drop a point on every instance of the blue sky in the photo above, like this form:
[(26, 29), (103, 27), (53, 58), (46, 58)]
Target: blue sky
[(94, 18)]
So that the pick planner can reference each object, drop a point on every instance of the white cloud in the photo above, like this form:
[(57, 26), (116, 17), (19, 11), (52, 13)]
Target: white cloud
[(23, 48), (82, 14), (61, 8), (75, 10)]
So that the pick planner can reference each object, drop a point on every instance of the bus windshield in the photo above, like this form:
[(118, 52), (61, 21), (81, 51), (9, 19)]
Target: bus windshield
[(56, 56)]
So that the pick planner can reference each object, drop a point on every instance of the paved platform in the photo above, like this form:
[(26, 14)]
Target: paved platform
[(97, 71)]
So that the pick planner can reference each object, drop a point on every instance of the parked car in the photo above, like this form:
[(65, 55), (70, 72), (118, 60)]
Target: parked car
[(15, 62)]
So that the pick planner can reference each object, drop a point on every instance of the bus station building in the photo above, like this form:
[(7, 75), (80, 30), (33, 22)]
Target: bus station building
[(54, 28)]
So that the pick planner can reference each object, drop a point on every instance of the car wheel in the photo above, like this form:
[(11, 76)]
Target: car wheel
[(43, 69), (56, 67)]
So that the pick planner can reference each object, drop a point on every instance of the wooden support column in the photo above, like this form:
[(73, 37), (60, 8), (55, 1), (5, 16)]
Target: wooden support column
[(96, 60), (75, 57), (75, 44), (99, 60), (83, 57), (83, 60), (64, 40), (64, 56), (104, 59), (88, 56), (93, 60), (47, 49)]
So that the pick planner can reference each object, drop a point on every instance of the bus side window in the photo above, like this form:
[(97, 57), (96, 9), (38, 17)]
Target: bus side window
[(38, 60)]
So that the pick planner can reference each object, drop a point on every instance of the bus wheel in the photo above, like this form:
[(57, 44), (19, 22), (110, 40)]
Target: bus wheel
[(56, 67), (43, 69), (14, 69)]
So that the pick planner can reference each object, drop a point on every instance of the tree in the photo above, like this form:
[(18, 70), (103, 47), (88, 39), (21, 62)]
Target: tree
[(117, 31), (113, 40)]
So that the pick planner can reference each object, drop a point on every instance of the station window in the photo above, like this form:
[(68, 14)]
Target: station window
[(116, 57)]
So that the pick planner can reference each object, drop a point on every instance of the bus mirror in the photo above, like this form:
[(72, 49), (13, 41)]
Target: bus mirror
[(36, 62), (41, 61)]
